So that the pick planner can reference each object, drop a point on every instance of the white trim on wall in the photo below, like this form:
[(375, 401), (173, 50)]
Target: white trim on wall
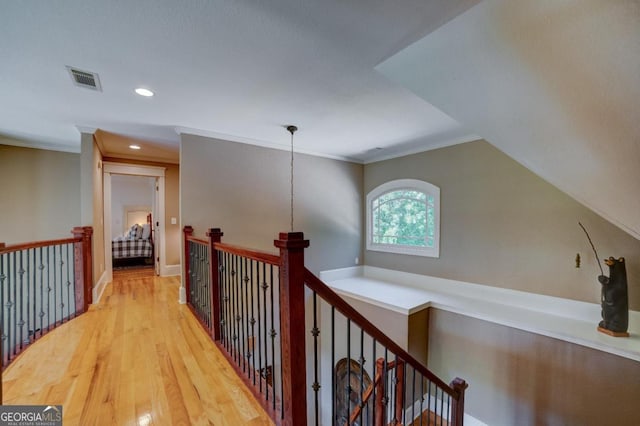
[(170, 270), (98, 289)]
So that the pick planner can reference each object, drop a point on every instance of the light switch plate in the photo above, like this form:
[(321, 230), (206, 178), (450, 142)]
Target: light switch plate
[(174, 221)]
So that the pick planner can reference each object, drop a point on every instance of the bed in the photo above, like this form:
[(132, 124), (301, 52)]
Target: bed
[(136, 244)]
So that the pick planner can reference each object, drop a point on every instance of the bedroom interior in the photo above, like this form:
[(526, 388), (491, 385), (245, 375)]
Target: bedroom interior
[(132, 230)]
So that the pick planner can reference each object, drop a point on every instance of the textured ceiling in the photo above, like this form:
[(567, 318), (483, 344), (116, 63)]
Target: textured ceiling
[(240, 70), (554, 84)]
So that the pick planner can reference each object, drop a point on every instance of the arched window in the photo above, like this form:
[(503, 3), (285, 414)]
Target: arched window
[(403, 216)]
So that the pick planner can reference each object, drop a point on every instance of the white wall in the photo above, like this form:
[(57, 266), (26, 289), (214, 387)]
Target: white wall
[(128, 191)]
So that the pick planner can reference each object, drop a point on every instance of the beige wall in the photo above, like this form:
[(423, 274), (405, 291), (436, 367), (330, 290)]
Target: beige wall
[(503, 226), (172, 233), (40, 199), (520, 378), (244, 190)]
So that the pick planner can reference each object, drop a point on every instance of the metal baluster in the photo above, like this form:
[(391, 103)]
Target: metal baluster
[(374, 370), (449, 408), (422, 399), (61, 284), (273, 333), (259, 341), (221, 294), (361, 361), (394, 396), (234, 282), (252, 322), (47, 274), (244, 325), (69, 281), (31, 329), (315, 332), (348, 389), (441, 405), (333, 365), (13, 307), (385, 393), (232, 318), (413, 394), (24, 337), (265, 287), (3, 350), (55, 287)]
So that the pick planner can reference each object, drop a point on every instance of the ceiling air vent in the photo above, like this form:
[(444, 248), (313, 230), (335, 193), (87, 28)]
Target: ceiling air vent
[(86, 79)]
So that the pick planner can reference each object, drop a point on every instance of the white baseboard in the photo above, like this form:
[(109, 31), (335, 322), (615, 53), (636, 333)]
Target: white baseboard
[(183, 295), (170, 270), (98, 289)]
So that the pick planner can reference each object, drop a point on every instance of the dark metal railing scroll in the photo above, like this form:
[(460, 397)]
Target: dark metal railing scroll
[(266, 312), (369, 379), (42, 285)]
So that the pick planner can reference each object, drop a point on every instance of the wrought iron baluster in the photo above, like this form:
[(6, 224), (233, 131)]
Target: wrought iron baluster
[(243, 322), (261, 367), (348, 381), (265, 287), (236, 311), (361, 361), (333, 365), (3, 336), (441, 404), (252, 321), (385, 391), (315, 332), (12, 307), (273, 333), (48, 256), (23, 300), (375, 374)]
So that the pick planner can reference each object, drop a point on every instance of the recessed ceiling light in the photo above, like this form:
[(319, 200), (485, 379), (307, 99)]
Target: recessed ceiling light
[(144, 92), (136, 147)]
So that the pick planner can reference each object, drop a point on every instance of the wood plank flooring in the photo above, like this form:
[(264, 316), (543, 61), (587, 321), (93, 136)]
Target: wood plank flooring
[(136, 358)]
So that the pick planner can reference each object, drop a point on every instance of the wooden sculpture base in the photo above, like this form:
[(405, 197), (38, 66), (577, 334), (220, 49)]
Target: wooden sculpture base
[(613, 333)]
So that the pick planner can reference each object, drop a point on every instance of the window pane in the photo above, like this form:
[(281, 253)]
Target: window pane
[(401, 217)]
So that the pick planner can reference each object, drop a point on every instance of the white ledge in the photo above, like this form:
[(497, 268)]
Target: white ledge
[(564, 319)]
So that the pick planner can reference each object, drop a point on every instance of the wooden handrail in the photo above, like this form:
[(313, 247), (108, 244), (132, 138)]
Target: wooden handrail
[(261, 256), (36, 244), (331, 297), (197, 240)]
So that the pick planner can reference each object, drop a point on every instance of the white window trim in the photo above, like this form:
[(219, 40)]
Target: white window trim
[(399, 184)]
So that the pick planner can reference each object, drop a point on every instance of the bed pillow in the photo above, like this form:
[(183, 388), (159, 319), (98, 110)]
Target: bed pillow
[(135, 232), (146, 231), (131, 234)]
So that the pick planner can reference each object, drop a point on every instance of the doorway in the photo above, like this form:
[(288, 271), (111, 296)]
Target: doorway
[(156, 180)]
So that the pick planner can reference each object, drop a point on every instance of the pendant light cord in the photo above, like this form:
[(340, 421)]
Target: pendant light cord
[(291, 181), (292, 130)]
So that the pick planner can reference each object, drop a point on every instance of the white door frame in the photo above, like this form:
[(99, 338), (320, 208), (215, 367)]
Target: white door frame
[(135, 170)]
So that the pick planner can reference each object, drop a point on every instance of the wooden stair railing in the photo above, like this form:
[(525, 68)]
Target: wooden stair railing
[(43, 284), (256, 307)]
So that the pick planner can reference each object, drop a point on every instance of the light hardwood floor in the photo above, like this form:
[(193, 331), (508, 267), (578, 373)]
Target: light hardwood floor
[(136, 358)]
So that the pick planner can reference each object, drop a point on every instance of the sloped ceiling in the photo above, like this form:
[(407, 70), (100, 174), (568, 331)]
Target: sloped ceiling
[(553, 84)]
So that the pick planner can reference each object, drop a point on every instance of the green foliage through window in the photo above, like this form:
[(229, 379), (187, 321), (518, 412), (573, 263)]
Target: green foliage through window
[(404, 217)]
